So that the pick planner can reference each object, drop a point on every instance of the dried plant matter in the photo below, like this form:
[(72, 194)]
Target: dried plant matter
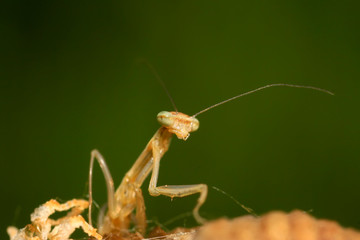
[(42, 227)]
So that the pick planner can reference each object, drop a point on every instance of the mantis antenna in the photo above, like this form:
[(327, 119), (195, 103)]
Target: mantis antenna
[(261, 88), (152, 69)]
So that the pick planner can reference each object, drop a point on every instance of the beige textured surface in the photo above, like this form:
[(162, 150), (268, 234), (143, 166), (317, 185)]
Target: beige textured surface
[(276, 225)]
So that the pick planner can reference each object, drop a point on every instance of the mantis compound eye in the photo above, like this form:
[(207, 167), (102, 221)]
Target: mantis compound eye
[(194, 124), (165, 118)]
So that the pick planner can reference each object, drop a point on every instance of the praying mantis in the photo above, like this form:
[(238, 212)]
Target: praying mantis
[(128, 196)]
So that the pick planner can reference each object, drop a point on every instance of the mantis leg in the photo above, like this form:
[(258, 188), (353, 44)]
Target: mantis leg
[(176, 190), (95, 154), (115, 210), (140, 215)]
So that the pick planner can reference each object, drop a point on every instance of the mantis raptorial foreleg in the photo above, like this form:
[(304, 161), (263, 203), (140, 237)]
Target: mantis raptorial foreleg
[(175, 190)]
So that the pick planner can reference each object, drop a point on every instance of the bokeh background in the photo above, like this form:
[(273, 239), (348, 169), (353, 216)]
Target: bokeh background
[(71, 81)]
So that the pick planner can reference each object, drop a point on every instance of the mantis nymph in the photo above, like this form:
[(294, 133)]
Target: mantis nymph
[(128, 197)]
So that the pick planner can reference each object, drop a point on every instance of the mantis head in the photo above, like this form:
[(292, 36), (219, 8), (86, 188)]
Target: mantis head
[(178, 123)]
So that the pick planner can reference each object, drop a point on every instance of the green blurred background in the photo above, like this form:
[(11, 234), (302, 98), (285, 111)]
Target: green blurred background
[(71, 82)]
